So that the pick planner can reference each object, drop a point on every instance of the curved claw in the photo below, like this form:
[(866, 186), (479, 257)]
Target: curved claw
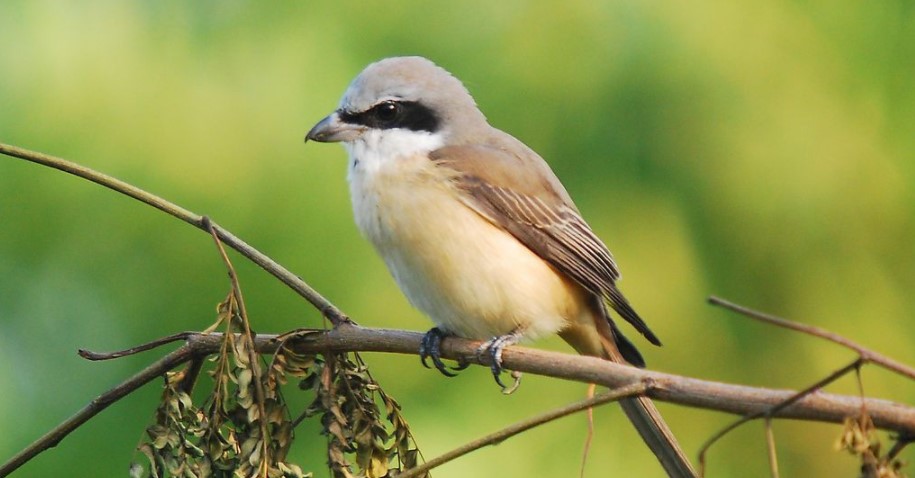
[(516, 376), (494, 349), (495, 354), (431, 347), (461, 365)]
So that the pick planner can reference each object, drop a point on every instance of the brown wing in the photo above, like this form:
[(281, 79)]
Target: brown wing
[(531, 204)]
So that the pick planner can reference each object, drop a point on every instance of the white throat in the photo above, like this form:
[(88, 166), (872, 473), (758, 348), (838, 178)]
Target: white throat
[(379, 149)]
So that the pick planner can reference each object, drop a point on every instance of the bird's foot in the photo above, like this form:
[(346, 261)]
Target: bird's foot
[(431, 348), (494, 348)]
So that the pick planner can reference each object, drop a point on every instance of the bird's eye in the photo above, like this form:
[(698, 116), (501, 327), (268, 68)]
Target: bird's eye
[(386, 111)]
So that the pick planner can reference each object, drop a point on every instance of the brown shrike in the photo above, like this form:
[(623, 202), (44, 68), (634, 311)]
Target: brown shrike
[(476, 229)]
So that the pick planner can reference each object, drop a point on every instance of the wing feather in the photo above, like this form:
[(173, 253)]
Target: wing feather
[(543, 219)]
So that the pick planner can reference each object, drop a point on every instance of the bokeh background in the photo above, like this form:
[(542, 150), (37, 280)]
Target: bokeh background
[(761, 151)]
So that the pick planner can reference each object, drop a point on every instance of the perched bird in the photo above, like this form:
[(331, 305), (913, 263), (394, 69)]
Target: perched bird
[(476, 229)]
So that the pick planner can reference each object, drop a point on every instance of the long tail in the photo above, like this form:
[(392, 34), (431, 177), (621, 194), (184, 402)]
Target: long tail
[(640, 410), (647, 420)]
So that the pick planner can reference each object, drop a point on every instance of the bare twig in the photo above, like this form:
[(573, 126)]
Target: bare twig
[(865, 353), (253, 356), (729, 398), (809, 404), (330, 311), (499, 436), (90, 355), (55, 435), (902, 441), (589, 434), (737, 399), (774, 410), (191, 372), (770, 446)]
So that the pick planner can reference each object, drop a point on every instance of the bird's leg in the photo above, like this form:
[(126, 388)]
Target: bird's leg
[(431, 347), (493, 348)]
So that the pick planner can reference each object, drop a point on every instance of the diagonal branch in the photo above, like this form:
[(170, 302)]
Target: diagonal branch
[(737, 399), (103, 401), (730, 398), (499, 436), (284, 275), (346, 336), (773, 411), (96, 356), (865, 353)]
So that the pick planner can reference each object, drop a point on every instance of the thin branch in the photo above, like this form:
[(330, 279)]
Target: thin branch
[(103, 401), (335, 315), (774, 410), (746, 401), (865, 353), (499, 436), (770, 447), (902, 441), (94, 356), (589, 434), (736, 399), (253, 356), (191, 372)]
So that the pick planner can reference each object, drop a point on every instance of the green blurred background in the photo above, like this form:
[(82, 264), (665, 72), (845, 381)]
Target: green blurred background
[(762, 151)]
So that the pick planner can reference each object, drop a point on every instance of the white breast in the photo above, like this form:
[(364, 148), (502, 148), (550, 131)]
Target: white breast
[(471, 277)]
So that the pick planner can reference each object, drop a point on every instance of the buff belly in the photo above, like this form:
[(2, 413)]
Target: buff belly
[(469, 276)]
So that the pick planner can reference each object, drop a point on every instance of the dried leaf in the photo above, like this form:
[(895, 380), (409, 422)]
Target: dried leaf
[(379, 465)]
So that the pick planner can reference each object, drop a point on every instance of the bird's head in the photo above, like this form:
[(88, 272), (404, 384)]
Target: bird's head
[(403, 97)]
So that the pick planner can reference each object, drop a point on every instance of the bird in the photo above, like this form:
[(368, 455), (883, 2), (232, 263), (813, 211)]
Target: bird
[(476, 229)]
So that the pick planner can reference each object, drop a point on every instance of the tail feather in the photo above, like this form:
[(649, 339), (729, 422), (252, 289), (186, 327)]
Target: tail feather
[(622, 307), (626, 348), (657, 435), (641, 411)]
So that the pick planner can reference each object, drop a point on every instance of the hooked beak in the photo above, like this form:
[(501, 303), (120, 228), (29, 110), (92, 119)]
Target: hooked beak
[(332, 130)]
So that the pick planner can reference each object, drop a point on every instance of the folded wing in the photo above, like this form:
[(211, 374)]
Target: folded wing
[(492, 182)]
